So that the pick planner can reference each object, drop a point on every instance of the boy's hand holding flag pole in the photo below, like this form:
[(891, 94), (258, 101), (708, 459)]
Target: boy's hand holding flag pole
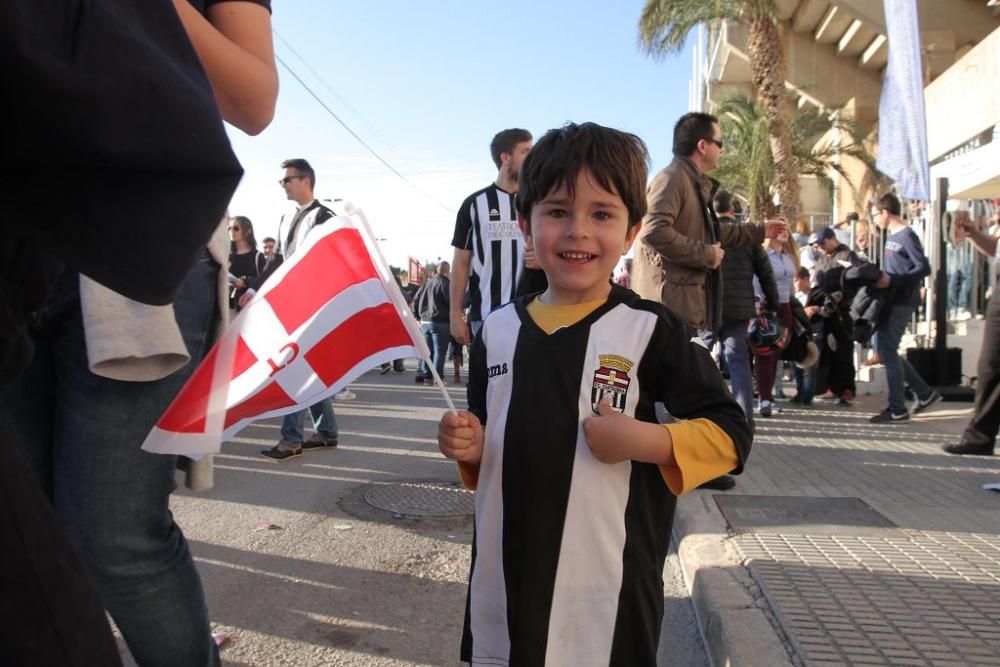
[(327, 315)]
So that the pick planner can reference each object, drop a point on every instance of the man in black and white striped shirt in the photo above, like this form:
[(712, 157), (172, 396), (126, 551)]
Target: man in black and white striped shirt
[(489, 247)]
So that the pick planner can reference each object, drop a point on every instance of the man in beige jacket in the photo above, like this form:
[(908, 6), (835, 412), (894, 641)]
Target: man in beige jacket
[(681, 244)]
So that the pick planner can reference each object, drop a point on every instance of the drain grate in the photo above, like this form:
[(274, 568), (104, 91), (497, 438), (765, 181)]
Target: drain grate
[(422, 499), (798, 515)]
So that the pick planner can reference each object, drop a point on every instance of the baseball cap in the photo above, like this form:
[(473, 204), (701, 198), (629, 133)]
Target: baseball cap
[(822, 235)]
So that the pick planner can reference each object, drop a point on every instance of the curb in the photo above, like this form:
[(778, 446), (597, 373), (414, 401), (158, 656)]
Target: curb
[(736, 621)]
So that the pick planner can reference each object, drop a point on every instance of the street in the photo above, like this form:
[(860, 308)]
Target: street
[(301, 568)]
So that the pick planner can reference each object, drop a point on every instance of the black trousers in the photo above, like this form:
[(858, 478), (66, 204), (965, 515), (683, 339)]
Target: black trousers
[(985, 422)]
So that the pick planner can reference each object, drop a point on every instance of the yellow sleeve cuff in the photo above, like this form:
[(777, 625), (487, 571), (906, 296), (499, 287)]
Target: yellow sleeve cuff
[(702, 451), (469, 474)]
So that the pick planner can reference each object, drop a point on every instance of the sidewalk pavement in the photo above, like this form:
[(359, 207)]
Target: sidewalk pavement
[(846, 542)]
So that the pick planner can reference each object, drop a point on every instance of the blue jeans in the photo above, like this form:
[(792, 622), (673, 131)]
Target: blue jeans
[(805, 383), (898, 371), (323, 418), (437, 335), (81, 434), (736, 352)]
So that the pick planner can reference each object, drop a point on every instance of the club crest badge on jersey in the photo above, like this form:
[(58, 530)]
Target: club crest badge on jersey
[(611, 381)]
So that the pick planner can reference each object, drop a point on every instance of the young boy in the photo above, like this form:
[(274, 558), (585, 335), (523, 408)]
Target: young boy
[(575, 481), (804, 377)]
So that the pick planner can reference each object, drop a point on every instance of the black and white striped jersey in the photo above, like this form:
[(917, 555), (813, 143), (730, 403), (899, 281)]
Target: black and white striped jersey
[(487, 225), (568, 552)]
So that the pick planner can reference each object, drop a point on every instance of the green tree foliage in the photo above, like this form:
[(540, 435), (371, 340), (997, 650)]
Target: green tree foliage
[(821, 138), (665, 24)]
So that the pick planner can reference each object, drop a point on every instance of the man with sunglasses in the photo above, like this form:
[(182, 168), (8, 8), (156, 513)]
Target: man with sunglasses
[(681, 244), (298, 183)]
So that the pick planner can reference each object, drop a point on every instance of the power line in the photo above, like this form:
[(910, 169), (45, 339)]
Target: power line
[(358, 138), (346, 104)]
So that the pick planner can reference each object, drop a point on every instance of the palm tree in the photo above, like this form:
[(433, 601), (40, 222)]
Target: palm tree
[(747, 168), (665, 24)]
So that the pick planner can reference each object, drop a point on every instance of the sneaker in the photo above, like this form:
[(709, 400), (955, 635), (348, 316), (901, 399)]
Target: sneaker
[(827, 396), (281, 451), (847, 395), (419, 379), (317, 441), (345, 395), (843, 401), (924, 403), (888, 415), (765, 409), (721, 483), (970, 449)]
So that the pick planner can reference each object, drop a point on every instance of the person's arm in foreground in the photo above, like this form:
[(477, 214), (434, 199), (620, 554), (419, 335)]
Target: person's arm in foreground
[(984, 243), (235, 48)]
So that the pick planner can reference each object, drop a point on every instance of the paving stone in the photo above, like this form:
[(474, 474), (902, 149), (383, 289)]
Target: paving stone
[(929, 590), (907, 662)]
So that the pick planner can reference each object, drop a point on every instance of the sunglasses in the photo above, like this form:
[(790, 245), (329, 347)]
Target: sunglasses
[(287, 179), (717, 142)]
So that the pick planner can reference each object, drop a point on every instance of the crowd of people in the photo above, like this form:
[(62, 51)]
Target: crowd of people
[(530, 290), (578, 488)]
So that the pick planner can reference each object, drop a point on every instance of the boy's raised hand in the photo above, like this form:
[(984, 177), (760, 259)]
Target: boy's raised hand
[(607, 433), (614, 437), (460, 436)]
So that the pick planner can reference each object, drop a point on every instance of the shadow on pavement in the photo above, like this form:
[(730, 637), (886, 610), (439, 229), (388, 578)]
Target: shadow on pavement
[(332, 607)]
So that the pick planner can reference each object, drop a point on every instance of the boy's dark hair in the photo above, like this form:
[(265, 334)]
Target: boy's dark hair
[(853, 216), (505, 141), (692, 128), (268, 238), (803, 272), (723, 202), (303, 167), (890, 202), (618, 161)]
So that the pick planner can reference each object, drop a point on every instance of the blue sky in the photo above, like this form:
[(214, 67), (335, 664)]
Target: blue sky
[(428, 84)]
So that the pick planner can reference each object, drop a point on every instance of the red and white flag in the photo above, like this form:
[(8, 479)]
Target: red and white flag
[(327, 315)]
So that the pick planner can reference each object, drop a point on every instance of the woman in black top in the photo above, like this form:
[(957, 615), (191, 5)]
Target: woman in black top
[(245, 261)]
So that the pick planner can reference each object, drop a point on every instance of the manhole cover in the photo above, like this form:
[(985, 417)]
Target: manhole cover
[(798, 515), (422, 499)]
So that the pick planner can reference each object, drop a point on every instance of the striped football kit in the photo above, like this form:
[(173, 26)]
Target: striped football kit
[(568, 552), (487, 225)]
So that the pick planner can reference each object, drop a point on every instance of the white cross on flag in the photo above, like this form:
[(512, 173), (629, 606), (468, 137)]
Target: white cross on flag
[(327, 315)]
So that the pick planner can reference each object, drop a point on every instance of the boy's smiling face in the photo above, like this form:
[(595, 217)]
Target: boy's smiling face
[(578, 239)]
